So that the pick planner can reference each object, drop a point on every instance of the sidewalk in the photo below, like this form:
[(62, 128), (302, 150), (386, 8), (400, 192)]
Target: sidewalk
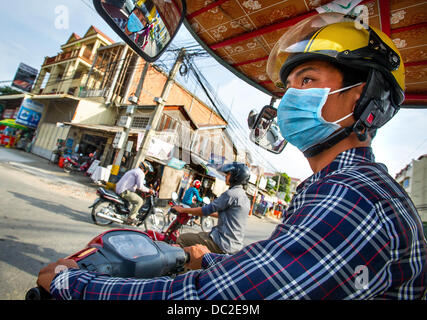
[(75, 183)]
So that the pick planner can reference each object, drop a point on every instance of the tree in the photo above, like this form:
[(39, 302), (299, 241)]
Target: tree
[(284, 185), (6, 90)]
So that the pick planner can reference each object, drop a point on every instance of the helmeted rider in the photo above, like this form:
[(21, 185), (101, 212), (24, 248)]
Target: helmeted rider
[(192, 192), (131, 181), (233, 210)]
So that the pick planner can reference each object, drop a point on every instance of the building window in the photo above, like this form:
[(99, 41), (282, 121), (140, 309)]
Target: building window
[(140, 122), (406, 183)]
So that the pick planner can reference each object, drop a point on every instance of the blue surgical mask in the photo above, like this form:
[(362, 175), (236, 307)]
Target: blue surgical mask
[(134, 24), (299, 116)]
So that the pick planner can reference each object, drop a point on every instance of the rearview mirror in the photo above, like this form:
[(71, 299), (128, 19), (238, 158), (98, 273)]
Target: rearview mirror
[(147, 26), (264, 130), (206, 200), (174, 196)]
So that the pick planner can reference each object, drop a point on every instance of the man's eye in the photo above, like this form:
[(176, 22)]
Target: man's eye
[(305, 81)]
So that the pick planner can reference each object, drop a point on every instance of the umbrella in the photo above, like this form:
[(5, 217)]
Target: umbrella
[(13, 124)]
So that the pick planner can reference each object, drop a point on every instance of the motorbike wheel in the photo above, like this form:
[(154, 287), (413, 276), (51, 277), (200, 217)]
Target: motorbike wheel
[(207, 224), (155, 221), (101, 206), (68, 167)]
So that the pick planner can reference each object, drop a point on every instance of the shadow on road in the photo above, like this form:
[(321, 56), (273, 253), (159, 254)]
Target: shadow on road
[(25, 255), (54, 207)]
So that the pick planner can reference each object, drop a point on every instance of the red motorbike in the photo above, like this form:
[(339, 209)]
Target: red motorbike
[(172, 232), (76, 163)]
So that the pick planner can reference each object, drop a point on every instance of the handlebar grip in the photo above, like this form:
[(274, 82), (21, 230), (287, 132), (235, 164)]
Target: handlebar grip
[(38, 294)]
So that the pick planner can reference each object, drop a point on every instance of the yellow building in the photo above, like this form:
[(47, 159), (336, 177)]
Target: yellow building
[(66, 73)]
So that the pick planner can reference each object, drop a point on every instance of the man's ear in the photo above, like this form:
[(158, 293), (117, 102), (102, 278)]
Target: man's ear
[(356, 92)]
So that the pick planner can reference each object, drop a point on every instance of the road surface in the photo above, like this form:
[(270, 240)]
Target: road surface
[(44, 216)]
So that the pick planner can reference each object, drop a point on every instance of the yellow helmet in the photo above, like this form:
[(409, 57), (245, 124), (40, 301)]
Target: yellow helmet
[(339, 39)]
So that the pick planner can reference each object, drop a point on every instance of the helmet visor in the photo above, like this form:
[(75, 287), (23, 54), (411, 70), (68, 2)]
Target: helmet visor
[(226, 168), (307, 37)]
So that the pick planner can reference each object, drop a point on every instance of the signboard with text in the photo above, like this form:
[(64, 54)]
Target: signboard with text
[(29, 113), (25, 77)]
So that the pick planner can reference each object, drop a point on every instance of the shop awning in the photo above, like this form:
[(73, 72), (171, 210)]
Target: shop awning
[(102, 128), (11, 123)]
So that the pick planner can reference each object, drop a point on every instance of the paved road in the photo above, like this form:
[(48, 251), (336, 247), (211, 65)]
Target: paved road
[(44, 216)]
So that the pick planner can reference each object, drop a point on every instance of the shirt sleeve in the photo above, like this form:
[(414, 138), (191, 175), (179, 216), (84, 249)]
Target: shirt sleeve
[(316, 254), (219, 204), (140, 178), (196, 192)]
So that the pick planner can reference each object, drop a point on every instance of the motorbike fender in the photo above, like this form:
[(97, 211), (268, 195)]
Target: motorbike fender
[(94, 204)]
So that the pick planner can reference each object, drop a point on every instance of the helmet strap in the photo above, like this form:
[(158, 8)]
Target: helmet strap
[(328, 142)]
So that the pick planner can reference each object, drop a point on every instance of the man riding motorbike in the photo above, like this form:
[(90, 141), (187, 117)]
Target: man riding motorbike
[(233, 209), (351, 231), (131, 181)]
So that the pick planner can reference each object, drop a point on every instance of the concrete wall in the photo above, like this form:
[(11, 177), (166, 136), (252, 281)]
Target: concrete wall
[(47, 137), (92, 112)]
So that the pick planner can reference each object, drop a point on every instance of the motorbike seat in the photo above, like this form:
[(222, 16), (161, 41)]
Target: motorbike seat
[(109, 193)]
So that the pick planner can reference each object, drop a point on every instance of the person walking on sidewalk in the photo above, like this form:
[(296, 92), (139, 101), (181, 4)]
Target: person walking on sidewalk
[(233, 210), (130, 182)]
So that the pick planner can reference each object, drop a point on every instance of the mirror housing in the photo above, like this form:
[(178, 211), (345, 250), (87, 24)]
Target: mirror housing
[(265, 132), (206, 200), (147, 26), (174, 196)]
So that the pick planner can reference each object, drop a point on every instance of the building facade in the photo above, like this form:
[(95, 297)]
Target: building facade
[(413, 178), (85, 92)]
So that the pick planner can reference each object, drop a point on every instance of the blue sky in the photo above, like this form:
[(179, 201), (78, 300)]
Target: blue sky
[(28, 34)]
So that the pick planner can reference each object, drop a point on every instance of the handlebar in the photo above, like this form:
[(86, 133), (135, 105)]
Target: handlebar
[(37, 293)]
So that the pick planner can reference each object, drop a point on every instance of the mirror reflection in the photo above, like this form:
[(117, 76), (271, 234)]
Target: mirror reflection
[(149, 24), (265, 131)]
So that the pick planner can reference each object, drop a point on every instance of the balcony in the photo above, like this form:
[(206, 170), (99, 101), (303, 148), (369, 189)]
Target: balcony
[(86, 56)]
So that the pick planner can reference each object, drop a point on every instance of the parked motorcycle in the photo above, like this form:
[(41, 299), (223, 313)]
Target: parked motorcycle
[(77, 163), (125, 253), (172, 232), (206, 222), (109, 207)]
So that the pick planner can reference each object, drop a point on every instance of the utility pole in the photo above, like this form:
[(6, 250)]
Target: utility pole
[(154, 120), (124, 140)]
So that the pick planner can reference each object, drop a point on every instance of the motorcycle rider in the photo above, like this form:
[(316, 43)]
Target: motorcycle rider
[(232, 209), (131, 181), (191, 193), (187, 200), (351, 231)]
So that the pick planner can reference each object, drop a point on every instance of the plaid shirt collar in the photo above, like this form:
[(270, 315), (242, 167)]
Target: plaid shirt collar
[(345, 159)]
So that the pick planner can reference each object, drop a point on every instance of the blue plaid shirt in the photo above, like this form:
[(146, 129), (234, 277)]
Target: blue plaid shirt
[(351, 232)]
